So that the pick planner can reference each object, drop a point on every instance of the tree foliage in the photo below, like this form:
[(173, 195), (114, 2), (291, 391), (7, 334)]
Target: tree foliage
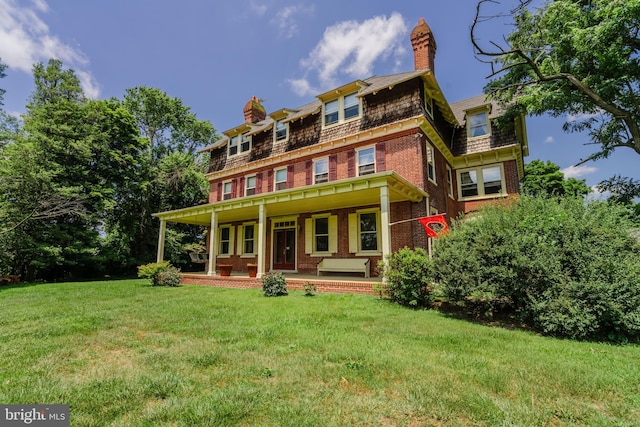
[(3, 67), (573, 57), (546, 179)]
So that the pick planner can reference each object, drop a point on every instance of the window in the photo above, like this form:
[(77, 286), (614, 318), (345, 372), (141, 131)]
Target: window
[(364, 236), (233, 145), (281, 130), (428, 103), (366, 161), (481, 181), (477, 124), (281, 179), (226, 190), (449, 181), (331, 112), (250, 186), (431, 164), (225, 241), (245, 145), (344, 108), (320, 171), (248, 240), (321, 235)]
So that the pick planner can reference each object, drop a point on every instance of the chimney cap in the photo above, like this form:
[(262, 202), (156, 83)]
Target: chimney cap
[(421, 28)]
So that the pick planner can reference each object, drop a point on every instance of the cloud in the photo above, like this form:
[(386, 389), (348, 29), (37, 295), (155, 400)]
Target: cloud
[(257, 8), (25, 39), (549, 140), (285, 19), (302, 87), (581, 117), (578, 171), (352, 48)]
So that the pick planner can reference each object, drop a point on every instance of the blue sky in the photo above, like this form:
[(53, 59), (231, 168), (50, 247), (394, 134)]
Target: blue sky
[(215, 55)]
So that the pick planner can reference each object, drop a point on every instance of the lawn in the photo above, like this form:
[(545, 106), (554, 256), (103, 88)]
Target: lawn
[(122, 353)]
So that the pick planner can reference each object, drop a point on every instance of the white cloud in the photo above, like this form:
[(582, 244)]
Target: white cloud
[(285, 19), (258, 8), (302, 87), (581, 117), (351, 48), (578, 171), (549, 140), (25, 39)]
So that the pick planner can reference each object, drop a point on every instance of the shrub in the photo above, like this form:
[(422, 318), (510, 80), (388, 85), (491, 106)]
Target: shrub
[(274, 285), (567, 267), (170, 277), (309, 289), (408, 278), (160, 273)]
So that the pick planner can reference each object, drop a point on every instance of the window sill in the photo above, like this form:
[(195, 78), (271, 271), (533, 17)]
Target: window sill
[(248, 255), (368, 253), (341, 122), (320, 254), (476, 138), (223, 256), (490, 196)]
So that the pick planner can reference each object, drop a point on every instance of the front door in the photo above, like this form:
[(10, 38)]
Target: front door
[(284, 249)]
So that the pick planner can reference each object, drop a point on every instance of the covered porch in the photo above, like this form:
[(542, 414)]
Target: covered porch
[(379, 190)]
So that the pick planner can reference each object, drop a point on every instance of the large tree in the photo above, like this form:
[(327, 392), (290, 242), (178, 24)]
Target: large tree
[(569, 57), (546, 179)]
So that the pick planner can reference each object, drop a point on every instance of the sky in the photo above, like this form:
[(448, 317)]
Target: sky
[(215, 55)]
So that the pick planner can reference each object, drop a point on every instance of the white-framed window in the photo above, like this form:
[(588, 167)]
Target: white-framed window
[(245, 144), (227, 188), (250, 185), (428, 103), (234, 141), (247, 242), (478, 124), (341, 109), (240, 143), (321, 235), (366, 161), (481, 181), (449, 182), (225, 241), (281, 130), (431, 163), (364, 231), (321, 170), (280, 179)]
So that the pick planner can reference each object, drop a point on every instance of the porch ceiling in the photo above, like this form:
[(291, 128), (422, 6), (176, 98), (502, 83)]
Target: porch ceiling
[(346, 193)]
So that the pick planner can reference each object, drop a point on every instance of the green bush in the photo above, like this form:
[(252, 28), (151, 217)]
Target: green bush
[(274, 285), (408, 278), (170, 277), (567, 267), (160, 274)]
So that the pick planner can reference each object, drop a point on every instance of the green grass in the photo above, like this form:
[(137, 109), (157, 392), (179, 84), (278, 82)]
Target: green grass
[(121, 353)]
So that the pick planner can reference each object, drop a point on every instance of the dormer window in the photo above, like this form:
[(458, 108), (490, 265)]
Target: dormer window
[(240, 143), (478, 124), (281, 130), (245, 145), (342, 109), (428, 104), (233, 145)]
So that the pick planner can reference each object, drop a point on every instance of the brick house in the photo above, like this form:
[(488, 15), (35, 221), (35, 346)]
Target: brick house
[(343, 176)]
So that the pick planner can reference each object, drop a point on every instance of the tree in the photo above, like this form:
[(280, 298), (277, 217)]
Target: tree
[(575, 57), (546, 179), (623, 189), (2, 75)]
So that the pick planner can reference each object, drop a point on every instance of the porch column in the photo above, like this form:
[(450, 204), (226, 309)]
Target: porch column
[(262, 241), (385, 233), (213, 238), (161, 237)]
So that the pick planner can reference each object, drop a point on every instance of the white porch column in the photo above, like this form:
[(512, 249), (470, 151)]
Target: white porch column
[(161, 237), (384, 220), (213, 238), (262, 241)]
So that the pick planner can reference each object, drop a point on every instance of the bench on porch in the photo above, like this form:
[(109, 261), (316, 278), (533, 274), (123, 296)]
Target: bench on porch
[(199, 258), (344, 265)]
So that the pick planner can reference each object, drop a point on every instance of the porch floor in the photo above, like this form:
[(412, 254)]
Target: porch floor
[(326, 283)]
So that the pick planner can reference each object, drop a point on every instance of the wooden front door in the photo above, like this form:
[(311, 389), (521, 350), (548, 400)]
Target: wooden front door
[(284, 249)]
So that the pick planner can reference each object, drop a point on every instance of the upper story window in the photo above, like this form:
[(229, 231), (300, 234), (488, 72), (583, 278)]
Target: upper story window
[(366, 161), (281, 131), (481, 181), (239, 144), (245, 144), (233, 145), (478, 124), (280, 178), (431, 163), (321, 170), (227, 188), (250, 186), (428, 103), (449, 181), (344, 108)]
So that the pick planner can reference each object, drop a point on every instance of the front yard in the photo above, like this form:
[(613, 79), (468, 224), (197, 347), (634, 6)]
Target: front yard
[(122, 353)]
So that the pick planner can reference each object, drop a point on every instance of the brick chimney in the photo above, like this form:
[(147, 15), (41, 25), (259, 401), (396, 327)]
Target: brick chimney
[(253, 111), (424, 46)]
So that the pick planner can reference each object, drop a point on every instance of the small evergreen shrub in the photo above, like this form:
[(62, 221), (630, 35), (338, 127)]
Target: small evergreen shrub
[(274, 285), (152, 271), (408, 276), (170, 277), (309, 289)]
